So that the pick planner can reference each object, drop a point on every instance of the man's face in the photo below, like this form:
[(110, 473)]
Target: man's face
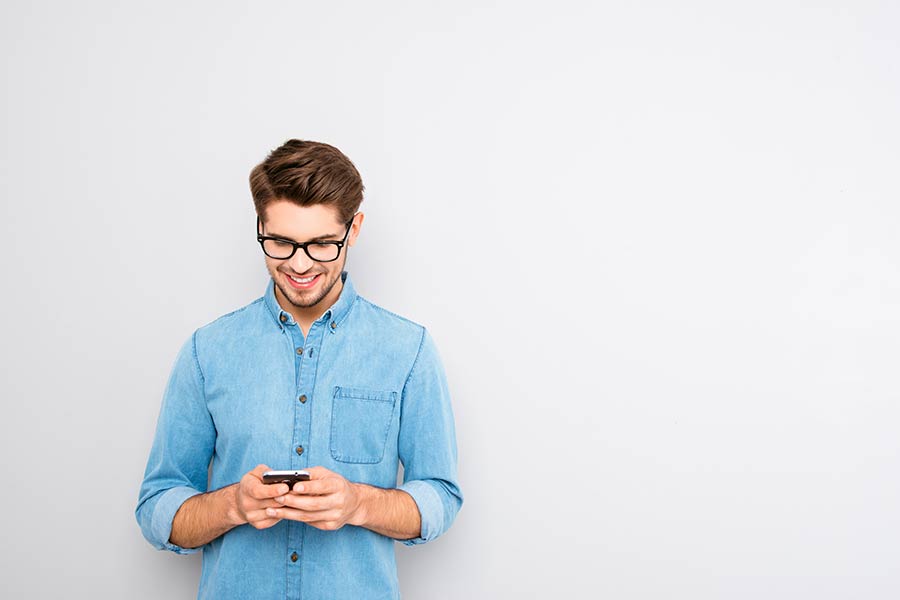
[(288, 221)]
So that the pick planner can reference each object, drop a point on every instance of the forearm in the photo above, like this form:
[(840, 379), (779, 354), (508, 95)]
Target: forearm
[(392, 513), (205, 517)]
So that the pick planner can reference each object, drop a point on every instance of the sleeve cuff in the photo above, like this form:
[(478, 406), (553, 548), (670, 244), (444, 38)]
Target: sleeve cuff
[(431, 511), (164, 514)]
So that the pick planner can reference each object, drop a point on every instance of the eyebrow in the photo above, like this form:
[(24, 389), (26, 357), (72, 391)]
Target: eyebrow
[(320, 238)]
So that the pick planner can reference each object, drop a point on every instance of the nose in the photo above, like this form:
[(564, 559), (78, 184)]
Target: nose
[(300, 262)]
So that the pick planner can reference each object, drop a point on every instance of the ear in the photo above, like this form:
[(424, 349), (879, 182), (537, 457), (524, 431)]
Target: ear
[(354, 229)]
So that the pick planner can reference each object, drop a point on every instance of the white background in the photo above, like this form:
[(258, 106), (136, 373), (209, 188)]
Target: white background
[(655, 242)]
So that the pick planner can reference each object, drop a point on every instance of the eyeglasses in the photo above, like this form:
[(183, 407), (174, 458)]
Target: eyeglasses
[(282, 249)]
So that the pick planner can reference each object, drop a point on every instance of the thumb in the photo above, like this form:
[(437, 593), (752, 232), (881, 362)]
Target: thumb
[(259, 470)]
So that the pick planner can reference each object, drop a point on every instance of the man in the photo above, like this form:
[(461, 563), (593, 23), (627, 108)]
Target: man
[(310, 376)]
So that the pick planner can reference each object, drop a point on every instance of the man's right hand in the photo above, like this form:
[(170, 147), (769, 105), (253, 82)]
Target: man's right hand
[(252, 497)]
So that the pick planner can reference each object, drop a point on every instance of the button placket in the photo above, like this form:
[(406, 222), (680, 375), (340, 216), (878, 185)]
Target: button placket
[(300, 429)]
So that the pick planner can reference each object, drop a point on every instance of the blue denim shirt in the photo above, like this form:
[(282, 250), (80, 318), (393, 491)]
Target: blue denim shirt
[(366, 393)]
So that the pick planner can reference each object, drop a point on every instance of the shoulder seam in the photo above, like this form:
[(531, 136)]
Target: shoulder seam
[(234, 312), (382, 309), (415, 362), (197, 365)]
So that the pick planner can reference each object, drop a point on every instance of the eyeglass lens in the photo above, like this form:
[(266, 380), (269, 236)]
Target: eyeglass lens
[(281, 250)]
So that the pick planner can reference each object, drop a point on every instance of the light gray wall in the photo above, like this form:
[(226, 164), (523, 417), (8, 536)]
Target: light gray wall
[(655, 242)]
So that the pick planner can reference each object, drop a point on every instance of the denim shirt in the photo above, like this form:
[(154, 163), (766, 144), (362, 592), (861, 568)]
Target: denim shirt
[(362, 393)]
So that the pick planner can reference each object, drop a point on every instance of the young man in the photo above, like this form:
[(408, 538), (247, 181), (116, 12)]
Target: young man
[(310, 376)]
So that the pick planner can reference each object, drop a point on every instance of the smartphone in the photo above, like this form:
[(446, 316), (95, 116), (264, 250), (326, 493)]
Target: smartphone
[(288, 477)]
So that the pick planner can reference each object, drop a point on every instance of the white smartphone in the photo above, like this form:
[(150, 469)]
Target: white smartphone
[(288, 477)]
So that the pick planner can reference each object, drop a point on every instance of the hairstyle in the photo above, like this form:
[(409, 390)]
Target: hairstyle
[(307, 173)]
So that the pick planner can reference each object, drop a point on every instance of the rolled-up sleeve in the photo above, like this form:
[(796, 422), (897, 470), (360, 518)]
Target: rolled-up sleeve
[(427, 444), (182, 447)]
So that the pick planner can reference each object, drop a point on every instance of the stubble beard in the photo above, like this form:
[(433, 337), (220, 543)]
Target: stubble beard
[(298, 299)]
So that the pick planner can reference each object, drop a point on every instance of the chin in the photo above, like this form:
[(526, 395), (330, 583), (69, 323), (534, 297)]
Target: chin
[(300, 300)]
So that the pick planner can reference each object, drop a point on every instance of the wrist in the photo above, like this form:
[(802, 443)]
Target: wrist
[(232, 515), (360, 516)]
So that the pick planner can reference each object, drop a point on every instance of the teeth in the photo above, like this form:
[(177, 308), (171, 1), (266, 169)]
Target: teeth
[(307, 280)]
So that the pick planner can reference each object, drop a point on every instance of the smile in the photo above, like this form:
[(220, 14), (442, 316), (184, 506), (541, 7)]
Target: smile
[(303, 282)]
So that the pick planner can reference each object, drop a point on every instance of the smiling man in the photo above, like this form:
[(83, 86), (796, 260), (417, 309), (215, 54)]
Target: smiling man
[(314, 377)]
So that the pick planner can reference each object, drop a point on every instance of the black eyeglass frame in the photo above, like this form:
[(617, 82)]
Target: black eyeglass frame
[(262, 239)]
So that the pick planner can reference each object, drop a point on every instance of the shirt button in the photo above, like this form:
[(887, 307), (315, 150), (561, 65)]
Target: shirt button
[(302, 399), (333, 325), (299, 449), (299, 350), (283, 318), (294, 557)]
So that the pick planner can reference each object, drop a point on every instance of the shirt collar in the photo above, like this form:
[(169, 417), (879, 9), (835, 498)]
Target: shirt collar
[(333, 317)]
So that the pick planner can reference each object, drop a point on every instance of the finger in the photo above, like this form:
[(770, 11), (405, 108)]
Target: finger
[(250, 505), (308, 503), (252, 479), (318, 486), (260, 520), (257, 472), (262, 491), (255, 516), (304, 516), (326, 525), (264, 504), (319, 473)]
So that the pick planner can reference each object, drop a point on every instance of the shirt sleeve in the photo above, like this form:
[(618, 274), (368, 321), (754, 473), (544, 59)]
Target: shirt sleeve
[(182, 447), (427, 444)]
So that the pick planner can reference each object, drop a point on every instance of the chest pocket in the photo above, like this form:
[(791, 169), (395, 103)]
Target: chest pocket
[(360, 422)]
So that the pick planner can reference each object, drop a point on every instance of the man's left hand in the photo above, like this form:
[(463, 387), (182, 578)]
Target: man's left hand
[(327, 501)]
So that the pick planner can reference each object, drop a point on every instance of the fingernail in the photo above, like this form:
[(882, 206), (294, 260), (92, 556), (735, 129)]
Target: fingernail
[(280, 499), (271, 512), (298, 487)]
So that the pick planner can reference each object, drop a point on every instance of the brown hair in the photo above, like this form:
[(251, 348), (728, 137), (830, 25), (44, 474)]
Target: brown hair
[(307, 173)]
